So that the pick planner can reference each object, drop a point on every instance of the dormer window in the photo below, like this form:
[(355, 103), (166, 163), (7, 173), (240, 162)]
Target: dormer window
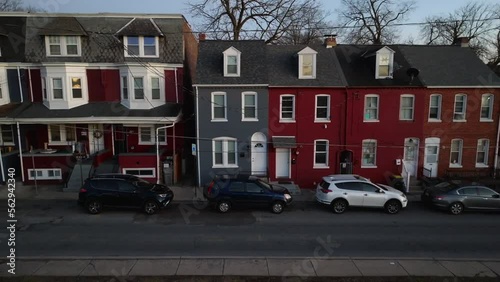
[(142, 88), (63, 46), (141, 46), (232, 60), (385, 63), (307, 63)]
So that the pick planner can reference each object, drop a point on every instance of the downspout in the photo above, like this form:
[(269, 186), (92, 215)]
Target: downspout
[(158, 149), (173, 137), (113, 139), (1, 167), (20, 84), (20, 150), (198, 136), (176, 87), (495, 165), (31, 84)]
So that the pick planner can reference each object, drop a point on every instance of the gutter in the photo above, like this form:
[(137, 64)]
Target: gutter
[(495, 165)]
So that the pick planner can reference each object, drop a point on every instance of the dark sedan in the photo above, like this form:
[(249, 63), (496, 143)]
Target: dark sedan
[(458, 199)]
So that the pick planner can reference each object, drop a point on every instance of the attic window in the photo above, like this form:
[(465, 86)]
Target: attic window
[(141, 46), (385, 62), (232, 62), (307, 63)]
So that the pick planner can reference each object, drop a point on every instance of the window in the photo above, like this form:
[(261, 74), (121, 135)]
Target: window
[(224, 152), (485, 192), (456, 153), (435, 107), (237, 186), (232, 62), (7, 136), (124, 87), (253, 187), (322, 108), (63, 46), (162, 136), (471, 191), (232, 65), (44, 88), (141, 46), (57, 88), (61, 134), (384, 63), (219, 111), (406, 109), (483, 147), (147, 135), (369, 153), (140, 172), (139, 88), (287, 108), (369, 188), (371, 108), (307, 63), (249, 106), (76, 87), (460, 107), (45, 174), (321, 153), (155, 88), (351, 186), (487, 107)]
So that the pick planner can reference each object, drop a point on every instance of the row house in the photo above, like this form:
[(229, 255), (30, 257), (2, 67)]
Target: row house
[(107, 89)]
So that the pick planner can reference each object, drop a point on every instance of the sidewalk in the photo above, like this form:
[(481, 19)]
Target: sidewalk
[(307, 269)]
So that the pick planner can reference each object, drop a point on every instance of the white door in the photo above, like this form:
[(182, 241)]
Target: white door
[(259, 154), (431, 157), (96, 138), (282, 163), (411, 155)]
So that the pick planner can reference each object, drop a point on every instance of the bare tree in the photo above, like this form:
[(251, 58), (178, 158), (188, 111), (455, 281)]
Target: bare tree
[(269, 20), (17, 6), (372, 21)]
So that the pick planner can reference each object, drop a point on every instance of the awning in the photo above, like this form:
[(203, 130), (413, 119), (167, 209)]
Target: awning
[(284, 142)]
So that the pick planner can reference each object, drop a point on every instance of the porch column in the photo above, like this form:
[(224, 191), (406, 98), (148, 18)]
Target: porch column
[(20, 150)]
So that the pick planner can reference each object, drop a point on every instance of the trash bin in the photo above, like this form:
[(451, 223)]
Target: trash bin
[(168, 171), (398, 183)]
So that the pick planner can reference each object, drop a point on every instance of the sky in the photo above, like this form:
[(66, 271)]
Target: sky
[(424, 8)]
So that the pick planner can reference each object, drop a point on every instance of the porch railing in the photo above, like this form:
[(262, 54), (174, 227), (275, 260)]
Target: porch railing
[(406, 177), (427, 172)]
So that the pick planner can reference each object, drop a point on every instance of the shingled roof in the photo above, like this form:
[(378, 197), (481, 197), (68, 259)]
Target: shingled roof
[(140, 27)]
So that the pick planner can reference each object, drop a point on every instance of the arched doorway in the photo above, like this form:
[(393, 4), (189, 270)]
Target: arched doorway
[(259, 154)]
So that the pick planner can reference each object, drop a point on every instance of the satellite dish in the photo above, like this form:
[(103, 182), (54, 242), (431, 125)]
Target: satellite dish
[(412, 73)]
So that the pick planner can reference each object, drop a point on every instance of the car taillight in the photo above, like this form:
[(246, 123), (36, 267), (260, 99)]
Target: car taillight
[(209, 189), (83, 190), (439, 198), (326, 190)]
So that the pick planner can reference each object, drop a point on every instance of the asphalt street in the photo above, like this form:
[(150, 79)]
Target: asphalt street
[(54, 228)]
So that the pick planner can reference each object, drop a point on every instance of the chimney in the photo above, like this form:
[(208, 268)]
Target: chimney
[(330, 40), (202, 36), (462, 42)]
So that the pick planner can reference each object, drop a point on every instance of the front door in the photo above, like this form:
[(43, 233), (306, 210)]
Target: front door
[(96, 138), (411, 155), (259, 154), (282, 163), (431, 157)]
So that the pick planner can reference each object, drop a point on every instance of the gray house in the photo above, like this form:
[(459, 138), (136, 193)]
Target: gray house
[(231, 108)]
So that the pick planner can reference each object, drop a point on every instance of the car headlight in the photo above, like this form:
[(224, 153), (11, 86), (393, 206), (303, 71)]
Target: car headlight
[(162, 195), (288, 197)]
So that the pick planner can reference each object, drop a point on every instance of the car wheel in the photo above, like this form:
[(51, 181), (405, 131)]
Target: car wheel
[(94, 206), (456, 208), (339, 206), (150, 207), (277, 207), (223, 206), (393, 206)]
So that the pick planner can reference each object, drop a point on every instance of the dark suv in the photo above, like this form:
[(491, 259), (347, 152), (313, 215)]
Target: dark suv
[(123, 190), (243, 190)]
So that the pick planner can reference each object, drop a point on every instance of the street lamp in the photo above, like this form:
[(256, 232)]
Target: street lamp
[(158, 149)]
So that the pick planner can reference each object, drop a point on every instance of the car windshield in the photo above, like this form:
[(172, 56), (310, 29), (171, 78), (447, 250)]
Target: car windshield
[(142, 183), (264, 184)]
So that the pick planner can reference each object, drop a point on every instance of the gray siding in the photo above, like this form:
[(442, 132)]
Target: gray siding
[(234, 128)]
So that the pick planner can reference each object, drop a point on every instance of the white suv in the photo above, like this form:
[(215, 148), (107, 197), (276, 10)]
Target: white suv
[(344, 190)]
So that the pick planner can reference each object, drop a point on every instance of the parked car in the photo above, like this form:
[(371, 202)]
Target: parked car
[(123, 190), (443, 187), (457, 199), (348, 190), (246, 191)]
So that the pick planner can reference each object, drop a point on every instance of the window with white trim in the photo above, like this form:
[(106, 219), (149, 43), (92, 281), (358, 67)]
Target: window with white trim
[(487, 107), (460, 107), (44, 88), (435, 107), (63, 46), (483, 147), (7, 135), (140, 172), (307, 63), (232, 62), (141, 46), (321, 153), (45, 174), (322, 108), (57, 89), (147, 135), (224, 152), (456, 153), (219, 108), (139, 88), (371, 107), (369, 153), (249, 106), (384, 63), (61, 134), (155, 88), (124, 81), (76, 87), (287, 108), (406, 107)]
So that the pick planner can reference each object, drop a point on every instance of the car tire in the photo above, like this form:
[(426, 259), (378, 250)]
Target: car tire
[(223, 206), (93, 206), (277, 207), (339, 206), (151, 207), (456, 208), (393, 206)]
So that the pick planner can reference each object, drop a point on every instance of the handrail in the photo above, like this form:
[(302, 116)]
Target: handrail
[(429, 172), (406, 177)]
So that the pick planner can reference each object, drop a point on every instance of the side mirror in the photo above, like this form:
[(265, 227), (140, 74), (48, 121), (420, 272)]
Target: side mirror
[(381, 191)]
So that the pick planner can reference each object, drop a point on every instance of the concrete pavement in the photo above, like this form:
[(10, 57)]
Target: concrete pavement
[(270, 267)]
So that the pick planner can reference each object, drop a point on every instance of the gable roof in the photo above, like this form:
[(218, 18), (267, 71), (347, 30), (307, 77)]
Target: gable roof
[(450, 66), (140, 27)]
